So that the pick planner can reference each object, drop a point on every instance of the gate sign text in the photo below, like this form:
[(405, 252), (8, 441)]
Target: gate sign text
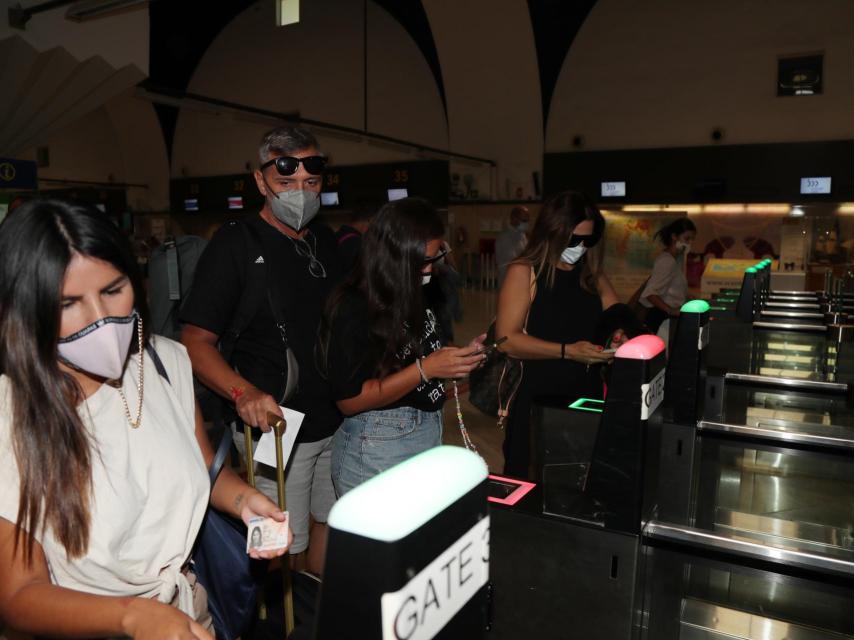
[(651, 395), (431, 599)]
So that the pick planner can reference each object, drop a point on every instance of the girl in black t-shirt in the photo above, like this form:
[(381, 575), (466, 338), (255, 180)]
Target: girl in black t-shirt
[(382, 349)]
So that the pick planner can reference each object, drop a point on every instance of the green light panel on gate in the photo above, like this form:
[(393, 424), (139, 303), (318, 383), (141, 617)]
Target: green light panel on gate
[(695, 306), (751, 270), (588, 404)]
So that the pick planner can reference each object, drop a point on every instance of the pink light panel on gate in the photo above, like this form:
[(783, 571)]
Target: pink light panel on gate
[(644, 347), (522, 489)]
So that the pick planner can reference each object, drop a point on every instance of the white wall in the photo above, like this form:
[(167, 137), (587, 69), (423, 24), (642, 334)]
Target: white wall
[(489, 64), (140, 145), (84, 151), (664, 73), (314, 68), (120, 141)]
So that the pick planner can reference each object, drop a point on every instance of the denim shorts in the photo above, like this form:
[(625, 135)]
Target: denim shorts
[(368, 443)]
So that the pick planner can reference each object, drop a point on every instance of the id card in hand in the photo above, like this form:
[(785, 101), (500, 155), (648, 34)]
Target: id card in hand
[(266, 534)]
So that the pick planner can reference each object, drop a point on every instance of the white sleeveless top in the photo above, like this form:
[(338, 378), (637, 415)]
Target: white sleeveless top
[(666, 281), (150, 486)]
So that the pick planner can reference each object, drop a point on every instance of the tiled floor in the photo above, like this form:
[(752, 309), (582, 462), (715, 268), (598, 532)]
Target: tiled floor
[(479, 311)]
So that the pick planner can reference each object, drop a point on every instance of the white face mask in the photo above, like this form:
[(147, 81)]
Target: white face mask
[(425, 278), (571, 255), (522, 226), (100, 348), (683, 246), (294, 208)]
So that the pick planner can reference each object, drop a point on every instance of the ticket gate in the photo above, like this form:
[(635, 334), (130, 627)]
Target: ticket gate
[(408, 553), (565, 557), (752, 519), (783, 338)]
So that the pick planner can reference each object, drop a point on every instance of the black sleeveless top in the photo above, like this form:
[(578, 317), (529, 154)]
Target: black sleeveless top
[(566, 313)]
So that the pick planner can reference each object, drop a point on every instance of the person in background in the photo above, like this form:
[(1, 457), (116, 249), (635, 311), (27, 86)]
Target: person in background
[(297, 261), (667, 288), (348, 238), (103, 461), (382, 349), (443, 293), (511, 242), (556, 308)]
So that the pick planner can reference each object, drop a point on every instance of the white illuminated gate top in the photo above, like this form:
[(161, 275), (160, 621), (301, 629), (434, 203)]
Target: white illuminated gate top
[(408, 552)]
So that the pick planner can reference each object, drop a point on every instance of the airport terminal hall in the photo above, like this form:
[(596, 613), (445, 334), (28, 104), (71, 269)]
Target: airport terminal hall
[(414, 319)]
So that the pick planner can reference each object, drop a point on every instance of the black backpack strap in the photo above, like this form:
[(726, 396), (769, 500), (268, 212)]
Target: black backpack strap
[(276, 306), (227, 437), (173, 285), (220, 455), (250, 297), (158, 363)]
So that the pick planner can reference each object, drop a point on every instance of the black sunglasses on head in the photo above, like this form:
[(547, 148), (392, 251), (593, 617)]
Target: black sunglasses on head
[(288, 165)]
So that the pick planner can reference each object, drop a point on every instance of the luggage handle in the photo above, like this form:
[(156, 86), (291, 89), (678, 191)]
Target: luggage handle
[(279, 425)]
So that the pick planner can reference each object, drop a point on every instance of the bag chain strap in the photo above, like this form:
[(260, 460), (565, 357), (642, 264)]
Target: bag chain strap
[(465, 434)]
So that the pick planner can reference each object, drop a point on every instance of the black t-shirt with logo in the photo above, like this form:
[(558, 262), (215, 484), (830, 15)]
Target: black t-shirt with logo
[(349, 365), (224, 269)]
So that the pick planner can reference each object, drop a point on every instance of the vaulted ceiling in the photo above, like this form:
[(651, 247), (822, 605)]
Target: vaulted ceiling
[(181, 32)]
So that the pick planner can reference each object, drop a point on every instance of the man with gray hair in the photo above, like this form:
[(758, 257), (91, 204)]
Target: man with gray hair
[(250, 325)]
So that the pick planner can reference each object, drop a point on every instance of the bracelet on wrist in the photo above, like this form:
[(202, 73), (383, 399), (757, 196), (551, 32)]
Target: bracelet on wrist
[(420, 368), (563, 351), (236, 392)]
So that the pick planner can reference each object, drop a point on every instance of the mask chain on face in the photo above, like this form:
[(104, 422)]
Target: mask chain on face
[(465, 434), (134, 424)]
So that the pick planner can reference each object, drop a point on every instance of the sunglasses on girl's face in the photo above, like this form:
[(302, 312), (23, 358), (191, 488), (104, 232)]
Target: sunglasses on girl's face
[(437, 257), (288, 165), (589, 240)]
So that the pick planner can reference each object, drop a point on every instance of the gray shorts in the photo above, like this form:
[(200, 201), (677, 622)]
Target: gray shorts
[(308, 485)]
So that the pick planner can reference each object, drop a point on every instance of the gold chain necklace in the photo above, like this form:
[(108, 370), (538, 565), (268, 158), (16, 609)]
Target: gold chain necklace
[(134, 424)]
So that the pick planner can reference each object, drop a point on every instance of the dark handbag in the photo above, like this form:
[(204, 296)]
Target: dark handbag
[(493, 386), (230, 577)]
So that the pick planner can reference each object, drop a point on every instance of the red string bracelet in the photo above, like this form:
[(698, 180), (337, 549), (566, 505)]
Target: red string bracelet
[(236, 392)]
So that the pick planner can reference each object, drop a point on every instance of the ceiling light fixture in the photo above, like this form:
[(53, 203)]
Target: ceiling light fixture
[(94, 9), (19, 16)]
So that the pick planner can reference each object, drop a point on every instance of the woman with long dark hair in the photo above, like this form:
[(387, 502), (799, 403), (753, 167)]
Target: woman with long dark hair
[(551, 307), (382, 347), (103, 462), (667, 288)]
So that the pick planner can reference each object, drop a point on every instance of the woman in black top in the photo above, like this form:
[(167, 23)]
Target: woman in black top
[(558, 285), (383, 351)]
